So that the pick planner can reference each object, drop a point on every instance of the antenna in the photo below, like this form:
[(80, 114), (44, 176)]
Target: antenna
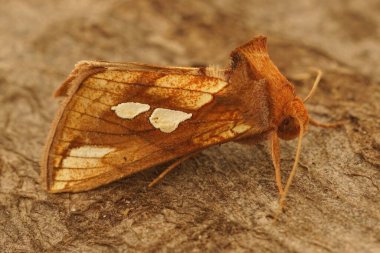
[(315, 84), (296, 160)]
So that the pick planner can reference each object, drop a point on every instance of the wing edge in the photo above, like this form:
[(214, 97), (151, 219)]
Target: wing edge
[(81, 71)]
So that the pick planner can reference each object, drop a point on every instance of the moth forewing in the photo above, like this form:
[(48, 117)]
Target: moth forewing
[(117, 119), (120, 118)]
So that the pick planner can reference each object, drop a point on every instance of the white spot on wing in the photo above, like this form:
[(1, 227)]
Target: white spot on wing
[(129, 110), (91, 151), (168, 120), (79, 162), (79, 174), (85, 157), (191, 82)]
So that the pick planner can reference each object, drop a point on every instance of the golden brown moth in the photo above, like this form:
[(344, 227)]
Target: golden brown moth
[(117, 119)]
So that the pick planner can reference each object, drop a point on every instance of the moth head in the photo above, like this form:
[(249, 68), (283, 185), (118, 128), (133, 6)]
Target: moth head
[(295, 114)]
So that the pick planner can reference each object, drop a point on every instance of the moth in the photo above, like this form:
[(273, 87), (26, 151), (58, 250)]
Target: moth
[(117, 119)]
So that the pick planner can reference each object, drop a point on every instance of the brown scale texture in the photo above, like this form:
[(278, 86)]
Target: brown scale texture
[(223, 199)]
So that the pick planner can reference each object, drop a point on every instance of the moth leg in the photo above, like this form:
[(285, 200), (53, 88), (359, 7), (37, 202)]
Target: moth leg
[(316, 123), (168, 169), (275, 150)]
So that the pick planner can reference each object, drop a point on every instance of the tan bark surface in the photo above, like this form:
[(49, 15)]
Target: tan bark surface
[(223, 199)]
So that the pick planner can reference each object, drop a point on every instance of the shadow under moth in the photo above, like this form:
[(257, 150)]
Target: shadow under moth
[(117, 119)]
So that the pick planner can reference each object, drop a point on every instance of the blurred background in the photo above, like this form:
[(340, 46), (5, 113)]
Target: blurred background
[(223, 199), (61, 33)]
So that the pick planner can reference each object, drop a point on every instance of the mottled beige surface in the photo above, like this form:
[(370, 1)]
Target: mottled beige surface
[(223, 199)]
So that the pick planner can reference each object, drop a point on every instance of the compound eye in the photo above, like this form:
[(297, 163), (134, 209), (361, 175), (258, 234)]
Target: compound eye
[(288, 129), (285, 124)]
